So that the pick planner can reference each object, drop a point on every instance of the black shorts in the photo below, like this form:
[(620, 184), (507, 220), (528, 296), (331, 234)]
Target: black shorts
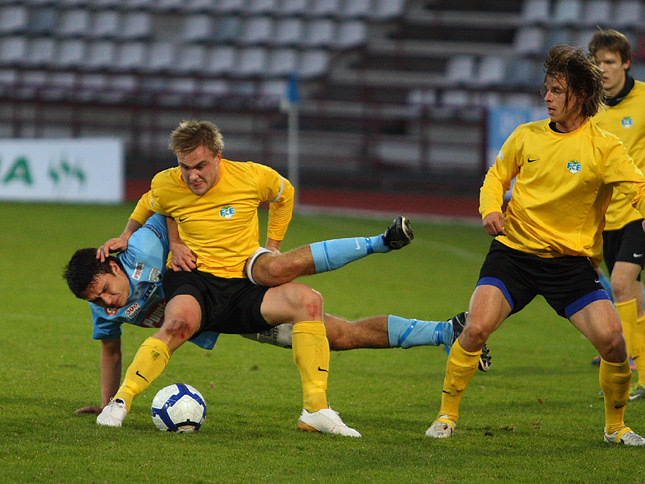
[(567, 283), (228, 305), (624, 245)]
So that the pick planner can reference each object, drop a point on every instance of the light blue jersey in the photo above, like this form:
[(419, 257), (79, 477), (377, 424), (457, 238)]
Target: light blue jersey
[(144, 263)]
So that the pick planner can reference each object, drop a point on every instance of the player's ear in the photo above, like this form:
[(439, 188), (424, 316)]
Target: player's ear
[(114, 267)]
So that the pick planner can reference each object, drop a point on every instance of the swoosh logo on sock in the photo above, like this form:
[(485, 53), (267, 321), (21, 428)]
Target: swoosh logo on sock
[(319, 369), (140, 375)]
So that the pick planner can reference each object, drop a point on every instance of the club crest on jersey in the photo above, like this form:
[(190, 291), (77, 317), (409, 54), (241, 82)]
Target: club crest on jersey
[(138, 270), (111, 311), (226, 212), (155, 275), (574, 166), (627, 122)]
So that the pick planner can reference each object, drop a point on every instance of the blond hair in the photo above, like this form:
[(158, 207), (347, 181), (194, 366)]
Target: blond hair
[(191, 134)]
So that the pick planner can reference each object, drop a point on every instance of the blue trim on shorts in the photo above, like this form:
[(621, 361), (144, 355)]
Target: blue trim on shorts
[(494, 281), (574, 307)]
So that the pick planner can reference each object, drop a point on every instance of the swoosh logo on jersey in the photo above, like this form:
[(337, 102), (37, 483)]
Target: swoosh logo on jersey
[(183, 219), (531, 160)]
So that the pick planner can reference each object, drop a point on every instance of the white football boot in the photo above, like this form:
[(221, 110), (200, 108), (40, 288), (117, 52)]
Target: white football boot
[(113, 414), (624, 436), (326, 421), (441, 428)]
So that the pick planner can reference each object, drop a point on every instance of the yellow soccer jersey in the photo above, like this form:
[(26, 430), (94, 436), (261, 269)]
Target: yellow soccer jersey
[(221, 226), (563, 185), (627, 121)]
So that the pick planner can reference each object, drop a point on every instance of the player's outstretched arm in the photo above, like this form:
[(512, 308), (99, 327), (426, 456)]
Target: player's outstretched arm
[(120, 243), (110, 374)]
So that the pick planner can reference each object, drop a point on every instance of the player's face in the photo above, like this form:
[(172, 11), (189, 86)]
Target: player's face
[(565, 113), (613, 70), (109, 290), (200, 169)]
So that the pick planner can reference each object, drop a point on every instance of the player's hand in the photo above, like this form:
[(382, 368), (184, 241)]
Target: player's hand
[(494, 224), (117, 244), (183, 259), (94, 410)]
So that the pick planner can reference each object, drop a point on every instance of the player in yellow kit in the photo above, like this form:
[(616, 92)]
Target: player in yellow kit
[(550, 237), (624, 241), (214, 202)]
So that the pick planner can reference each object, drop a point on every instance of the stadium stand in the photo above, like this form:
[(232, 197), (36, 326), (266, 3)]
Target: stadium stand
[(390, 81)]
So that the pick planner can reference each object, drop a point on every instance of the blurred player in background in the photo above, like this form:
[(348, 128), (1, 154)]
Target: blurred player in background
[(140, 301), (623, 237), (549, 240)]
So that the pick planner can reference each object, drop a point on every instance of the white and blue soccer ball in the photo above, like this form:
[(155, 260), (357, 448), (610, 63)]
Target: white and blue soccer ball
[(178, 408)]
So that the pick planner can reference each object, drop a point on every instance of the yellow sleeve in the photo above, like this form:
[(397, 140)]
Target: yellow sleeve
[(625, 176), (498, 179), (143, 211), (279, 192)]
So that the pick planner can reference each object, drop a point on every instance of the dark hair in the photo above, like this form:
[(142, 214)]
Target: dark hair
[(583, 78), (613, 41), (190, 135), (83, 268)]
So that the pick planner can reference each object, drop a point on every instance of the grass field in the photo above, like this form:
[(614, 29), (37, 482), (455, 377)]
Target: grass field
[(534, 418)]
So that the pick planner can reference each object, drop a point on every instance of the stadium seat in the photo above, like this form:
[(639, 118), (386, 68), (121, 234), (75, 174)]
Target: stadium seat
[(560, 35), (227, 29), (282, 62), (460, 69), (221, 60), (289, 32), (529, 41), (161, 57), (273, 90), (130, 56), (73, 23), (582, 38), (567, 12), (13, 20), (535, 12), (313, 63), (100, 55), (351, 34), (41, 52), (105, 24), (289, 8), (251, 62), (387, 9), (597, 12), (42, 21), (356, 8), (213, 88), (191, 59), (525, 74), (256, 30), (324, 8), (198, 6), (628, 13), (491, 71), (136, 26), (197, 28), (319, 33), (229, 6), (71, 54), (262, 7)]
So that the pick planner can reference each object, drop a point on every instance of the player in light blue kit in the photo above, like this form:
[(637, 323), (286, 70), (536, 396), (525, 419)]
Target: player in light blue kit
[(126, 288)]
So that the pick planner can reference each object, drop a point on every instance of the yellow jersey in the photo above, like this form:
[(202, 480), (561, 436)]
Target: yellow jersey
[(563, 185), (221, 226), (627, 121)]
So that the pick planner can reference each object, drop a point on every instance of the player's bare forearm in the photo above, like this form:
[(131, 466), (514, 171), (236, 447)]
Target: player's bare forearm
[(182, 258), (110, 369)]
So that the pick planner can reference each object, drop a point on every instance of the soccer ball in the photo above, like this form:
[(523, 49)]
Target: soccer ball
[(178, 408)]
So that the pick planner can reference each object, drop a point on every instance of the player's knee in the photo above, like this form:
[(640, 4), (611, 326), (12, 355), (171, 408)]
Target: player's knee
[(476, 333), (612, 347), (309, 302)]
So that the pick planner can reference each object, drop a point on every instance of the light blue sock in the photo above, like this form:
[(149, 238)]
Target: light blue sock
[(406, 333), (334, 254)]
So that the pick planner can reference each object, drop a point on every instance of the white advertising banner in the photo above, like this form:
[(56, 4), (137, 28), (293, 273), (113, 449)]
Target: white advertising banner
[(62, 170)]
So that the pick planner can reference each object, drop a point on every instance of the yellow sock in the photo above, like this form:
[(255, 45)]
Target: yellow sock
[(614, 383), (627, 312), (150, 360), (460, 369), (638, 349), (311, 354)]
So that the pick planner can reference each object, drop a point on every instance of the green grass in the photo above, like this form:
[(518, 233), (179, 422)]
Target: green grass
[(535, 417)]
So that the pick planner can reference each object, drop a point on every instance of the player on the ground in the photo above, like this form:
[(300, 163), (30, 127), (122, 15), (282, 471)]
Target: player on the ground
[(550, 237), (140, 301), (623, 237)]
